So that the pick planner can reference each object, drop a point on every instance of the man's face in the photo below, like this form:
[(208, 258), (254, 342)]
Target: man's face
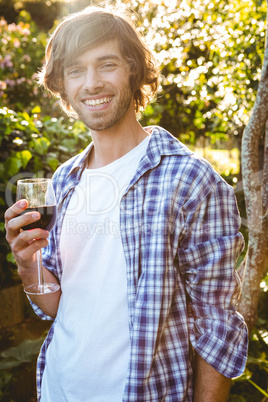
[(97, 86)]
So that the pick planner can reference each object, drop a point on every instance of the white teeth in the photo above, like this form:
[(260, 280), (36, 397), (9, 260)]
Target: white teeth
[(97, 102)]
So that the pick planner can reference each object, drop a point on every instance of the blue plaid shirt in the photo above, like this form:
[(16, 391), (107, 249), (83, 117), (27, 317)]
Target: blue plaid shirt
[(179, 227)]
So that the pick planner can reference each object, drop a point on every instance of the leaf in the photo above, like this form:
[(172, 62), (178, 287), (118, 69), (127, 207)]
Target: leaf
[(8, 364), (10, 258), (38, 165), (24, 156), (41, 145), (258, 388), (12, 166), (255, 360), (2, 171), (36, 109), (25, 352), (69, 144), (53, 163)]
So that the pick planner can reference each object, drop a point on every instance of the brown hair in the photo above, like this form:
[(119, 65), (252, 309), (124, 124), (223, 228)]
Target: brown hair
[(90, 27)]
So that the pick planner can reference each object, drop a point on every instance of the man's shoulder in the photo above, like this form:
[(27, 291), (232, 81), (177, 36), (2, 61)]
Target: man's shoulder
[(189, 174), (185, 159), (165, 143)]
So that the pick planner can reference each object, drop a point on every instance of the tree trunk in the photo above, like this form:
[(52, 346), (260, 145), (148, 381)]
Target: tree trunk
[(255, 186)]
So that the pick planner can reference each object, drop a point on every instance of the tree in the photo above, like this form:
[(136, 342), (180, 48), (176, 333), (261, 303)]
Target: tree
[(255, 183), (210, 55)]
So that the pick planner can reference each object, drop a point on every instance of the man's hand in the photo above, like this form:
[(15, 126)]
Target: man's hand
[(23, 243), (210, 385)]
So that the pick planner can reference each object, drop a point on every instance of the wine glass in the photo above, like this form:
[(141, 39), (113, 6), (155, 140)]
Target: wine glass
[(40, 196)]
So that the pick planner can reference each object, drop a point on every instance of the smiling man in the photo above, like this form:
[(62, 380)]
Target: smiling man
[(145, 243), (98, 88)]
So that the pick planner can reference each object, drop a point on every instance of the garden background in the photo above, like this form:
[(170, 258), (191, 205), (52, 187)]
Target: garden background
[(210, 54)]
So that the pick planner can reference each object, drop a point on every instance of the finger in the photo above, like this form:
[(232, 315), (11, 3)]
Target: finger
[(27, 237), (34, 247), (25, 256), (13, 226), (15, 210)]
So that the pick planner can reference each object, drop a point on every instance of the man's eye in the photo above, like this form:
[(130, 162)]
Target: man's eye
[(75, 72), (108, 66)]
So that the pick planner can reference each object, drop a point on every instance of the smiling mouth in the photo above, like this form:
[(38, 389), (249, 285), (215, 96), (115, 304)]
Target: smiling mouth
[(97, 102)]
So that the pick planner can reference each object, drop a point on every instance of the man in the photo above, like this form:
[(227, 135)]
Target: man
[(145, 243)]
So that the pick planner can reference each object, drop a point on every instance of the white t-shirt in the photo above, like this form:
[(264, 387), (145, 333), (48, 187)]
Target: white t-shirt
[(88, 357)]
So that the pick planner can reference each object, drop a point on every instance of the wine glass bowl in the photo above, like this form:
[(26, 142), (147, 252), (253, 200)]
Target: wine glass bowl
[(40, 196), (47, 220)]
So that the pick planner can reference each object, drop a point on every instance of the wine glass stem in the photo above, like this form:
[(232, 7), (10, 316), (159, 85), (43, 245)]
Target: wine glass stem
[(40, 270)]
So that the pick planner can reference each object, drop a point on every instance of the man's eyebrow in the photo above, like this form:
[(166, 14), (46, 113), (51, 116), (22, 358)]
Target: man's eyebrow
[(99, 59), (108, 57)]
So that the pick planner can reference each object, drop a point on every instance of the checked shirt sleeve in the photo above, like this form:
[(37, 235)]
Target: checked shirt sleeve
[(207, 255)]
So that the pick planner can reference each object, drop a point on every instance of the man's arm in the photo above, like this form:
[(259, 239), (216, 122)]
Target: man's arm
[(48, 303), (206, 259), (24, 245), (210, 385)]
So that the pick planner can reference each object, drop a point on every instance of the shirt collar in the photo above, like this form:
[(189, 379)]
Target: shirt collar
[(161, 143), (81, 159)]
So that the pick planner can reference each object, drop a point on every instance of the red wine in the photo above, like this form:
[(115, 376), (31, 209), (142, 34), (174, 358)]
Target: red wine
[(47, 220)]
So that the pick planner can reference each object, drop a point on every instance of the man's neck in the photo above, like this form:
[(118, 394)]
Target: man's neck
[(113, 143)]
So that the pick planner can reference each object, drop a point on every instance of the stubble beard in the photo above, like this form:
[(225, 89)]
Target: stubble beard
[(103, 120)]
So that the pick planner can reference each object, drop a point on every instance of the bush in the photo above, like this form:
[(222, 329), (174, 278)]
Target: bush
[(23, 49)]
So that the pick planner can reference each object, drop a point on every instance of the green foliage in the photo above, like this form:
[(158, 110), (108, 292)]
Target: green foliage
[(210, 56), (12, 359), (252, 385), (25, 352), (209, 53), (31, 145), (22, 54)]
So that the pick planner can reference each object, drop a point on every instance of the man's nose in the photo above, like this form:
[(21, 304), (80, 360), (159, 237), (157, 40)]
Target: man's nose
[(93, 80)]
